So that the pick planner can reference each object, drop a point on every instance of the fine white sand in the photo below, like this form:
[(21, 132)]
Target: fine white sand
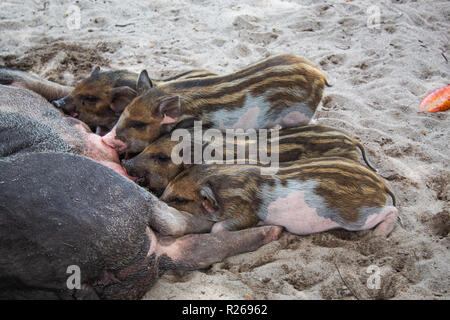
[(379, 75)]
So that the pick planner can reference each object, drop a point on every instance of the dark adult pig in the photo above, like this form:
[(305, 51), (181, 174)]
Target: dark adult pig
[(27, 119), (305, 197), (64, 216)]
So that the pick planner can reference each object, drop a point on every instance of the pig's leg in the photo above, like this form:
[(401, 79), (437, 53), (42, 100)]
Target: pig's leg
[(199, 251), (234, 224), (47, 89), (295, 118), (171, 222), (388, 224)]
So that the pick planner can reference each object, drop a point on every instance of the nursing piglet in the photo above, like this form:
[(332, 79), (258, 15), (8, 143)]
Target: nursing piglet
[(305, 197)]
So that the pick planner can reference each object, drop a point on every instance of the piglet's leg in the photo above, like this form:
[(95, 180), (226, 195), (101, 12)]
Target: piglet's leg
[(388, 224), (199, 251), (171, 222), (234, 224), (47, 89)]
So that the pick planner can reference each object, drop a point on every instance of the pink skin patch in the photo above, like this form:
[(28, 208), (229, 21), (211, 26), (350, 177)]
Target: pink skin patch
[(18, 84), (118, 168), (208, 207), (385, 221), (296, 216), (218, 227), (153, 241), (294, 118), (248, 120), (111, 141), (376, 218), (100, 152), (105, 155), (168, 120)]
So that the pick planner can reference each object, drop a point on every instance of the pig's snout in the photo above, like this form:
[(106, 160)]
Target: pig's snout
[(112, 140), (58, 103), (66, 105), (130, 167)]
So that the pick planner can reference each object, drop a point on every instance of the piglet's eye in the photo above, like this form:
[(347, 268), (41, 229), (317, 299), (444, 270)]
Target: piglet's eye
[(90, 99), (138, 124), (161, 157), (181, 200)]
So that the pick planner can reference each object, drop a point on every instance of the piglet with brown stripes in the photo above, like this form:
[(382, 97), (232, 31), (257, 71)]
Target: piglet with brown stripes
[(154, 167), (280, 91), (100, 99), (305, 197)]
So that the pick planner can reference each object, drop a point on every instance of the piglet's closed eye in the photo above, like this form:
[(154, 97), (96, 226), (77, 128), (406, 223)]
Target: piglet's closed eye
[(209, 201)]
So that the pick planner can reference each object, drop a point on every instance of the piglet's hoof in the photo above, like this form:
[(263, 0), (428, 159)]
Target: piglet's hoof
[(272, 233)]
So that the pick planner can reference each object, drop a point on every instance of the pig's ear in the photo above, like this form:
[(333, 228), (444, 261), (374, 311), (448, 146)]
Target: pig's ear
[(144, 83), (209, 201), (95, 71), (169, 109), (121, 97)]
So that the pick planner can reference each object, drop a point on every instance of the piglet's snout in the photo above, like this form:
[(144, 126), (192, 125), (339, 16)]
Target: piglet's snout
[(66, 105), (58, 103), (113, 141), (130, 166)]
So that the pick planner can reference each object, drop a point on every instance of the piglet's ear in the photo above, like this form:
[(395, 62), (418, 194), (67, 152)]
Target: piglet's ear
[(209, 201), (121, 97), (95, 71), (170, 109), (144, 83)]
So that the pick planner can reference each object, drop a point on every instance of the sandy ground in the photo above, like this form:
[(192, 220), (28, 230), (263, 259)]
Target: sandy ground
[(380, 72)]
